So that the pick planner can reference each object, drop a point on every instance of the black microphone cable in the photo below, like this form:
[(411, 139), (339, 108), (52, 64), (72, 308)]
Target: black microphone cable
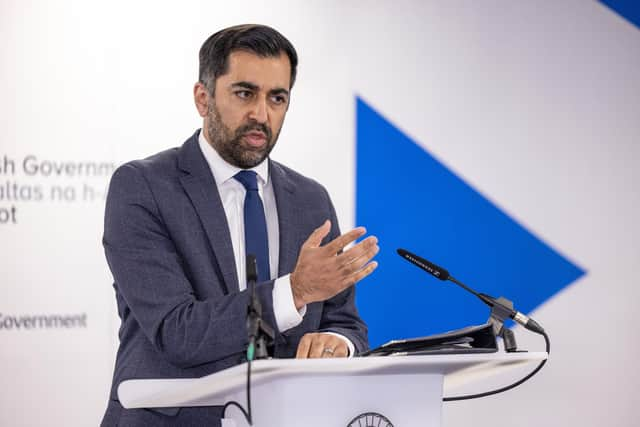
[(252, 277), (508, 387), (528, 323), (247, 414)]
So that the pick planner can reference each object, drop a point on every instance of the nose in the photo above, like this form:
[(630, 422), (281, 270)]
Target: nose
[(259, 111)]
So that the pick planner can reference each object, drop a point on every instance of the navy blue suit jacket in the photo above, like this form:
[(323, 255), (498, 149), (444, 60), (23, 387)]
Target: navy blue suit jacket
[(182, 314)]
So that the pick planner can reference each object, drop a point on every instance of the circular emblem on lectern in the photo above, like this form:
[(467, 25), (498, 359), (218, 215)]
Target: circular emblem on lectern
[(370, 419)]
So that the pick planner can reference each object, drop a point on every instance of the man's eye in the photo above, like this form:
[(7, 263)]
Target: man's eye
[(279, 99), (244, 94)]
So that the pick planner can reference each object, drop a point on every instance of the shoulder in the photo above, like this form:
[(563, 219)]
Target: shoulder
[(291, 177), (158, 173), (164, 163), (136, 181)]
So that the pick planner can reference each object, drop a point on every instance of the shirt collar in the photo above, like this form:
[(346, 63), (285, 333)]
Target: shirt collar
[(222, 170)]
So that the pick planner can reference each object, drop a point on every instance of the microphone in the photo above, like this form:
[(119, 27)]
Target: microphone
[(442, 274), (252, 268), (254, 310), (434, 270), (260, 333)]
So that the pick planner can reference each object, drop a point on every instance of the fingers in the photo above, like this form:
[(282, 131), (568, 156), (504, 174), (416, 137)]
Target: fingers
[(356, 257), (361, 274), (349, 263), (322, 272), (318, 234), (317, 347), (321, 345), (337, 244), (304, 346), (342, 350)]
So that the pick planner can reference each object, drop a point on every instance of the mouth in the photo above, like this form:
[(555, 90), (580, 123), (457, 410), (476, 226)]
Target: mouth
[(255, 139)]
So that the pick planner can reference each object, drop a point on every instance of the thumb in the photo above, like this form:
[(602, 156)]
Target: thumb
[(318, 234)]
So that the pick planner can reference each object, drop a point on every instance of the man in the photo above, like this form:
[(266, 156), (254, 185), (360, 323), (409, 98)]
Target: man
[(179, 224)]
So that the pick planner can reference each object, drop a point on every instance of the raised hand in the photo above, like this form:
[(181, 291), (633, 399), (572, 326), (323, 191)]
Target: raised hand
[(323, 271)]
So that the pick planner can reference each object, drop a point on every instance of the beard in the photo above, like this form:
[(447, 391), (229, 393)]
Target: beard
[(230, 144)]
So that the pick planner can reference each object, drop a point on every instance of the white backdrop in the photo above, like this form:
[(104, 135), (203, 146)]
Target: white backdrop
[(535, 103)]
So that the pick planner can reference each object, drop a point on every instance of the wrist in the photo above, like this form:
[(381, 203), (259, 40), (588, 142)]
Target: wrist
[(298, 296)]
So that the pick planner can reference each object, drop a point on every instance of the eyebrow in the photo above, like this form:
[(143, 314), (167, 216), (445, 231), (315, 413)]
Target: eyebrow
[(279, 91), (246, 85), (252, 86)]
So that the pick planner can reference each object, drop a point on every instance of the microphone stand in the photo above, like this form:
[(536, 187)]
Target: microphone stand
[(261, 334), (501, 308), (497, 317)]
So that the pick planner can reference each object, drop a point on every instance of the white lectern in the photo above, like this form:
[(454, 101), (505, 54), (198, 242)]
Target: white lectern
[(399, 391)]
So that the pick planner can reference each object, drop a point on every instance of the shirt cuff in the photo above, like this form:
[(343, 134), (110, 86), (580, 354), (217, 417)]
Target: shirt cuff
[(284, 308), (352, 348)]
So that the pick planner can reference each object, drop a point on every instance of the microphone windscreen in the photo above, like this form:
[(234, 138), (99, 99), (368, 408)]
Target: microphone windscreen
[(429, 267)]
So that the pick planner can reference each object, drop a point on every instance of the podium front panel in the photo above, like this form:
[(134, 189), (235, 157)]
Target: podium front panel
[(321, 401)]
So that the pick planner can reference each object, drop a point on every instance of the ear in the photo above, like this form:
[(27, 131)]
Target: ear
[(201, 99)]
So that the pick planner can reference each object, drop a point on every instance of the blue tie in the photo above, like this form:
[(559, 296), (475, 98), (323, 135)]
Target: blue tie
[(255, 226)]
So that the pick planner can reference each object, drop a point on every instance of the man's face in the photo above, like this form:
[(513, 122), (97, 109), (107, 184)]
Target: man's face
[(244, 117)]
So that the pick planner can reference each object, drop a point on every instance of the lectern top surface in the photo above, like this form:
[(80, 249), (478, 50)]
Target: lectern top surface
[(155, 393)]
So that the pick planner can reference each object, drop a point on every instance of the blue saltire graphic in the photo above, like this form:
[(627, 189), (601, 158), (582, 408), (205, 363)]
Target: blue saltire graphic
[(628, 9), (410, 200)]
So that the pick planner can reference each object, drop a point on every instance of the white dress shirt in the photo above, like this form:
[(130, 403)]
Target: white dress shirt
[(232, 194)]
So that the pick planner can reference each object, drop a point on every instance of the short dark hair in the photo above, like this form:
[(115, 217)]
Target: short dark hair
[(259, 39)]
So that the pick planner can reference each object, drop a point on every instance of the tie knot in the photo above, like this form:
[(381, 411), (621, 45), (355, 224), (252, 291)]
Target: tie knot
[(249, 179)]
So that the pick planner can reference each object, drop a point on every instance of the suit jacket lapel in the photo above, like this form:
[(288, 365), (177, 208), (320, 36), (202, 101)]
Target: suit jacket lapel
[(289, 218), (199, 184)]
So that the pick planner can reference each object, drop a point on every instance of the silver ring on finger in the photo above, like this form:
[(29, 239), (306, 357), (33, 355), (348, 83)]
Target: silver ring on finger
[(328, 350)]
